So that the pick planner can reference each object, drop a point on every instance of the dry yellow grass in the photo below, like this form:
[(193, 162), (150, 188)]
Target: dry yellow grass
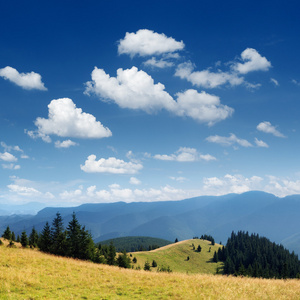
[(27, 274)]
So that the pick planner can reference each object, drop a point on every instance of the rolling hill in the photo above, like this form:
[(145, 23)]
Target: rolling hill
[(28, 274)]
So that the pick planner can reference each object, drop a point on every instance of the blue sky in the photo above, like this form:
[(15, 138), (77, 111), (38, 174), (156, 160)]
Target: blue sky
[(104, 101)]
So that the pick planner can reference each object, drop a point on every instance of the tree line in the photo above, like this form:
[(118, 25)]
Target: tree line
[(74, 241), (255, 256)]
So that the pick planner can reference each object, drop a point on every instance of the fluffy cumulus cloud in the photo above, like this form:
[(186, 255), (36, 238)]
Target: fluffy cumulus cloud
[(206, 78), (27, 81), (228, 141), (6, 156), (65, 120), (252, 61), (23, 190), (147, 42), (110, 165), (202, 107), (267, 127), (65, 144), (135, 89), (10, 148), (134, 181), (185, 154), (131, 88)]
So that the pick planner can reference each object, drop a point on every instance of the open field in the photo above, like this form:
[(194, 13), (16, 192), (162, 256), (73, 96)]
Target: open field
[(27, 274), (175, 256)]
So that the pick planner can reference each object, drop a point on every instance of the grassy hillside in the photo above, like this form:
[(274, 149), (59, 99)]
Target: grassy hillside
[(132, 243), (27, 274), (175, 256)]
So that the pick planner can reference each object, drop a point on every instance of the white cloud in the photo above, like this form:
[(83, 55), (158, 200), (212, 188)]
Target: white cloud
[(147, 42), (70, 194), (260, 143), (179, 179), (185, 154), (206, 78), (7, 157), (136, 90), (27, 81), (65, 144), (267, 127), (134, 180), (65, 120), (10, 148), (110, 165), (202, 107), (161, 63), (282, 186), (252, 61), (11, 166), (296, 82), (231, 184), (130, 89), (274, 81), (228, 141), (23, 190)]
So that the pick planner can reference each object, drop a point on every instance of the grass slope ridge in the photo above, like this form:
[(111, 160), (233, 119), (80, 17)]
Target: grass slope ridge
[(28, 274), (176, 257), (134, 243)]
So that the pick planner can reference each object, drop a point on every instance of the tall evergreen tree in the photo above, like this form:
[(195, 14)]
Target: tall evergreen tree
[(58, 236), (111, 254), (73, 238), (33, 238), (24, 239), (7, 233), (13, 236), (45, 240), (123, 260)]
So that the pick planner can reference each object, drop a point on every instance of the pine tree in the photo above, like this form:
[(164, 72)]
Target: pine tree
[(123, 261), (13, 237), (199, 248), (215, 257), (73, 238), (45, 240), (7, 233), (147, 266), (24, 239), (154, 264), (33, 238), (111, 254), (58, 236)]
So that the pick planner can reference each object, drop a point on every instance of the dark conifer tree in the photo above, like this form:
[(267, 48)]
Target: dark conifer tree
[(111, 254), (58, 236), (73, 238), (45, 240), (33, 238), (13, 236), (124, 261), (24, 239), (7, 233)]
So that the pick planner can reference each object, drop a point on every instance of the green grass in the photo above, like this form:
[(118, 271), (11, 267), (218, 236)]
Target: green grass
[(175, 256), (30, 274)]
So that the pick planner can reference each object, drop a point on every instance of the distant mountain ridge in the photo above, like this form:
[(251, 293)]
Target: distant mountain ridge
[(257, 212)]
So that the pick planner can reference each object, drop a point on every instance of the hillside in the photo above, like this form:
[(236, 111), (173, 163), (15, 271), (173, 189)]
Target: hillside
[(27, 274), (175, 256), (135, 243), (275, 218)]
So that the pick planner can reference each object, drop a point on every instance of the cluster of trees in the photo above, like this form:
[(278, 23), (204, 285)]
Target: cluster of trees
[(74, 241), (251, 255)]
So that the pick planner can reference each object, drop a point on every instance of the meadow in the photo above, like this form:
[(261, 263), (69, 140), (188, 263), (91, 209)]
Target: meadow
[(30, 274)]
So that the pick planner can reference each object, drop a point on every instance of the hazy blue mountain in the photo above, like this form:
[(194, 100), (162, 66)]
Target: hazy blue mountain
[(257, 212)]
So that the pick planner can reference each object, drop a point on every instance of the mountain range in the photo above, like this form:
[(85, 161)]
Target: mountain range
[(256, 212)]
